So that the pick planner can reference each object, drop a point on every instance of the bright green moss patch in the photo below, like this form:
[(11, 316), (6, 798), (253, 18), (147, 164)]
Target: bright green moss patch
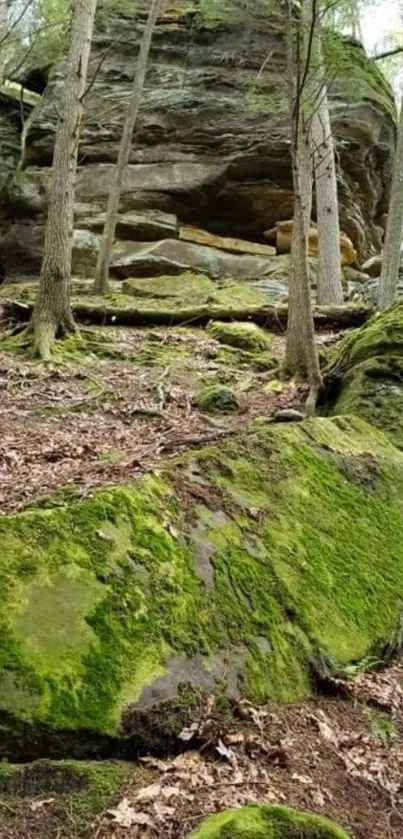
[(217, 399), (365, 372), (268, 822), (185, 285), (111, 600), (245, 336)]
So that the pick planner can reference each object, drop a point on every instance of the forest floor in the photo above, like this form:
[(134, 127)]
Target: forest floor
[(339, 755), (114, 404)]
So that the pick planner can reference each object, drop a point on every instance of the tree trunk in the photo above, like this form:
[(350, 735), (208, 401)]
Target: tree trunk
[(104, 256), (52, 313), (5, 6), (330, 288), (394, 228), (301, 354)]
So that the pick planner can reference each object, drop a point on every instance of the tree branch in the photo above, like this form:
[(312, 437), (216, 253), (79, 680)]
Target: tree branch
[(387, 54)]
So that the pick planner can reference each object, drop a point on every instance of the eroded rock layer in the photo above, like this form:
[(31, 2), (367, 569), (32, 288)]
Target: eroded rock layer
[(205, 149)]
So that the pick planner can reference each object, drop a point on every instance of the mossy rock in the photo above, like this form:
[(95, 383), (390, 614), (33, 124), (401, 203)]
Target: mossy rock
[(217, 399), (365, 373), (186, 285), (268, 822), (245, 336), (77, 791), (233, 559)]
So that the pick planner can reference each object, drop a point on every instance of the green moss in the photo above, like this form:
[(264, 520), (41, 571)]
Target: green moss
[(216, 399), (356, 75), (187, 285), (366, 372), (245, 336), (80, 789), (106, 597), (258, 821), (86, 345)]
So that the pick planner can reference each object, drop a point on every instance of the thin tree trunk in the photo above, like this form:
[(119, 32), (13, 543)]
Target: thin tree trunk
[(102, 269), (394, 228), (52, 313), (330, 288), (301, 354), (5, 6)]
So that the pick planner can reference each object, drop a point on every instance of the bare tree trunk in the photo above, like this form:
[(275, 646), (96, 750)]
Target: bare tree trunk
[(102, 270), (52, 313), (301, 354), (330, 288), (394, 228), (5, 6)]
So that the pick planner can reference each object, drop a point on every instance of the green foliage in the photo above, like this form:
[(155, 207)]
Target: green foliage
[(382, 728), (259, 821)]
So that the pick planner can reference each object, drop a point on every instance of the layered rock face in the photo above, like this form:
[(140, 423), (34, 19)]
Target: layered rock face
[(212, 141)]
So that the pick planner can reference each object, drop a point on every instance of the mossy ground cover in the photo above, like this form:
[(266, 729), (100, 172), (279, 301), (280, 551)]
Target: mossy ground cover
[(103, 598), (265, 822), (365, 373), (60, 798)]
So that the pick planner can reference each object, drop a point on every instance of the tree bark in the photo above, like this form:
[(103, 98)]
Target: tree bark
[(301, 354), (394, 228), (330, 288), (5, 6), (52, 314), (104, 256)]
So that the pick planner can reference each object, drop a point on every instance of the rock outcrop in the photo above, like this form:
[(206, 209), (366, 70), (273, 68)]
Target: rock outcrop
[(228, 561), (204, 149), (365, 373)]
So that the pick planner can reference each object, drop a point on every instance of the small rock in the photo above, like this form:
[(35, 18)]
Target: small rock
[(217, 399), (289, 415)]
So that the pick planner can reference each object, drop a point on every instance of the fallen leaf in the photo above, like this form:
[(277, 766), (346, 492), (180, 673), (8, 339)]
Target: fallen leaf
[(149, 793), (125, 816), (38, 805)]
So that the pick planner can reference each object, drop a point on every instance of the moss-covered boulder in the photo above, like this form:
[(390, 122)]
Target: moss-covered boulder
[(245, 336), (268, 822), (365, 373), (278, 548), (66, 795), (216, 399)]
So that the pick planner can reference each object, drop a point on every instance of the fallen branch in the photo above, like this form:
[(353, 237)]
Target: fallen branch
[(271, 317)]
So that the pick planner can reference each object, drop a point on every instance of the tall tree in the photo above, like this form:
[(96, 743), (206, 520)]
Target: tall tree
[(52, 314), (104, 256), (301, 353), (394, 227), (330, 289)]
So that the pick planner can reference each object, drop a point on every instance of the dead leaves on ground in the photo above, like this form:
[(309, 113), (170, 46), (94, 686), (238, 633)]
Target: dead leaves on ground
[(319, 755)]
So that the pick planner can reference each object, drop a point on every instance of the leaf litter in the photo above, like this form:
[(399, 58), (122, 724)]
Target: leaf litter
[(318, 755), (89, 420)]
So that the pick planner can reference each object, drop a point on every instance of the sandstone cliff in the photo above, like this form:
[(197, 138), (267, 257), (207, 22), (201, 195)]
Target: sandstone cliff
[(212, 142)]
